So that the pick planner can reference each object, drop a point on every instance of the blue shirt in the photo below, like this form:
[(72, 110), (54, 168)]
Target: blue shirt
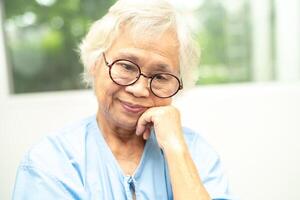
[(77, 163)]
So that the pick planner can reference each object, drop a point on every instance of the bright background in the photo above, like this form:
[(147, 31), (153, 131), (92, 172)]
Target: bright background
[(253, 120)]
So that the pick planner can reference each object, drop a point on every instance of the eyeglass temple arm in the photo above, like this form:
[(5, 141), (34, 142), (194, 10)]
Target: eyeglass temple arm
[(181, 84), (105, 59)]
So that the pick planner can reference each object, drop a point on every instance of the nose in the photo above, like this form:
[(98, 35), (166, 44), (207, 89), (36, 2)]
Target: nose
[(141, 88)]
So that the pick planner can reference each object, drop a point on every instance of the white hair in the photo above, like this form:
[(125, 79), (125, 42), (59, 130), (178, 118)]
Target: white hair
[(144, 18)]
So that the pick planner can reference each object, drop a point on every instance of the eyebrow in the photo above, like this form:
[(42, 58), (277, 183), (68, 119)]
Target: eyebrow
[(128, 56), (156, 67)]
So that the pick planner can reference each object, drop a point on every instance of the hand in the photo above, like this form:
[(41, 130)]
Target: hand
[(166, 123)]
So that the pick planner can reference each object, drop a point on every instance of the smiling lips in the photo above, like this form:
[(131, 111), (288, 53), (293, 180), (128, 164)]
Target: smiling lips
[(133, 108)]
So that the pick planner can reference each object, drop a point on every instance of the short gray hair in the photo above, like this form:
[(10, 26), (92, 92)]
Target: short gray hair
[(151, 18)]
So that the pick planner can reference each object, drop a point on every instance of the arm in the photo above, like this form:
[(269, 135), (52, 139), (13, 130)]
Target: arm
[(185, 180), (186, 183)]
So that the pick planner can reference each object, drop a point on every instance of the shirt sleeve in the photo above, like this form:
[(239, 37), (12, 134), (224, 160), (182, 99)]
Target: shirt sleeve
[(210, 170), (216, 182), (34, 184)]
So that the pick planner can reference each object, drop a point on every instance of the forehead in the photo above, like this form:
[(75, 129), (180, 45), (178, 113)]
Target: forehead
[(160, 50)]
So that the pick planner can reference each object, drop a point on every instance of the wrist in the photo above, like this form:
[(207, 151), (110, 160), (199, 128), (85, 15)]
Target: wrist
[(174, 146)]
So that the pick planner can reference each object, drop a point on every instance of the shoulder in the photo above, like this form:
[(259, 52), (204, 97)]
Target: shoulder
[(55, 167), (60, 149), (195, 140), (201, 151), (209, 165)]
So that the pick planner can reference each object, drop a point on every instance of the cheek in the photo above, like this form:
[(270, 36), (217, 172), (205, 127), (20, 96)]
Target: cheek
[(105, 90), (106, 93)]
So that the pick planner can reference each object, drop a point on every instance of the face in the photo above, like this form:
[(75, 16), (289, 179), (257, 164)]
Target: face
[(121, 106)]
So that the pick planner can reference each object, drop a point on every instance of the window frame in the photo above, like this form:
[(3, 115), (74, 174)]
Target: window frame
[(5, 83)]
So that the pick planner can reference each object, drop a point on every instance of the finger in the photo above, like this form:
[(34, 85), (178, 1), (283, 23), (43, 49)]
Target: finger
[(146, 133), (144, 120)]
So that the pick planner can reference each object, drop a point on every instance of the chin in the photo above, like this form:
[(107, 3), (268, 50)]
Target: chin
[(127, 123)]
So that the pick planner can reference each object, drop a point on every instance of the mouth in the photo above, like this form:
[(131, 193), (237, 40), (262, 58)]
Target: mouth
[(133, 108)]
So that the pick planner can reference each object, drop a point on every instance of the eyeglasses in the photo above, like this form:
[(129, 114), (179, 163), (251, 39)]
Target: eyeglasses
[(124, 72)]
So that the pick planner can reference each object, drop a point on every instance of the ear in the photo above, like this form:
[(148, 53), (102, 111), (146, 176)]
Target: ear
[(93, 69)]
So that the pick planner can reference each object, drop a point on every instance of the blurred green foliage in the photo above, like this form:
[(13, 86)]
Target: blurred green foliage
[(225, 41), (42, 38)]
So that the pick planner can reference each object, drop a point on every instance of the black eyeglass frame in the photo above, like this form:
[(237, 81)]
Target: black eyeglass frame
[(180, 86)]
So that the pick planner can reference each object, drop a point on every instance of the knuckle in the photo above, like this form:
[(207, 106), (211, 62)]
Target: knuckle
[(174, 110)]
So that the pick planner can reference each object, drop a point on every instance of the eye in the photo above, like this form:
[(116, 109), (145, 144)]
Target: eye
[(129, 67), (126, 66), (162, 77)]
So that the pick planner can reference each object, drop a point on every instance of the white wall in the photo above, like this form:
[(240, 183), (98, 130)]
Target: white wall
[(254, 127)]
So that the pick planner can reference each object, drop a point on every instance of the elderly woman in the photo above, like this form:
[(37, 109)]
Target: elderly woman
[(137, 57)]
